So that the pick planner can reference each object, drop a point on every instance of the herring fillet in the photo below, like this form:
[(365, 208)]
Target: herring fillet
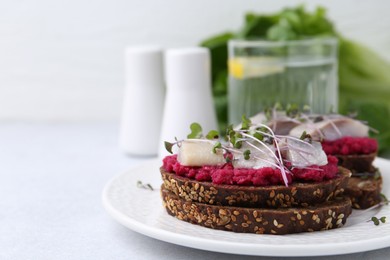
[(198, 153), (332, 129)]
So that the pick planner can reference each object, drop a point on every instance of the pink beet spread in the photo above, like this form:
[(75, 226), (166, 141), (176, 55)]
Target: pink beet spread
[(350, 145), (227, 174)]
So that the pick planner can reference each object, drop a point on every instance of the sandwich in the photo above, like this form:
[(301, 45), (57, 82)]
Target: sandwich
[(255, 182)]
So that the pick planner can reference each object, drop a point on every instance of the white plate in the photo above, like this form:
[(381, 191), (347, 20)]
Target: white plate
[(142, 211)]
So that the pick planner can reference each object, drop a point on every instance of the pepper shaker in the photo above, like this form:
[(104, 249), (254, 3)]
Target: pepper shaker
[(188, 98), (143, 101)]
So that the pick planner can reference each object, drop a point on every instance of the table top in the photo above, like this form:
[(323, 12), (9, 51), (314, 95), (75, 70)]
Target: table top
[(52, 179)]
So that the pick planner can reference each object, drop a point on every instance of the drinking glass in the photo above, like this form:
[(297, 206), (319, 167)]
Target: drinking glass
[(263, 73)]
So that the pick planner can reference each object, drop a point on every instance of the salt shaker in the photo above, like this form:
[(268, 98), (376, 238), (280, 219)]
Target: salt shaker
[(188, 98), (143, 101)]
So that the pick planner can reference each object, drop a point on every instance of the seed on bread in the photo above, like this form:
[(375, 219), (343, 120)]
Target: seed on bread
[(264, 221)]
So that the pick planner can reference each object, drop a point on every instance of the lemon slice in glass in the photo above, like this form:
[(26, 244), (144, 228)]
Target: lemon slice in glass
[(251, 67)]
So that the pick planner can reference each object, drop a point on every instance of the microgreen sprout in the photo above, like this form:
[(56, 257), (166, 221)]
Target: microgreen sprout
[(146, 186), (213, 134), (306, 109), (384, 199), (217, 145), (292, 110), (258, 136), (168, 146), (246, 123), (228, 132), (306, 136), (278, 106), (196, 131), (247, 154), (378, 221)]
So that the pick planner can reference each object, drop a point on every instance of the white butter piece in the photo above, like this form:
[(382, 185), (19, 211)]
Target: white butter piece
[(198, 152)]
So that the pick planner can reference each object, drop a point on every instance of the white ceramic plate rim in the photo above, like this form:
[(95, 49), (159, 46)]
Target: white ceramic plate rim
[(237, 247)]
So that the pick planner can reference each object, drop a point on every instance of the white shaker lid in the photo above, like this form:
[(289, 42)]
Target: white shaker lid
[(144, 66), (187, 67)]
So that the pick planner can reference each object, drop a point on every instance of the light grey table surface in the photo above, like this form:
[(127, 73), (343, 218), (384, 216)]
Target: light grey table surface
[(52, 176)]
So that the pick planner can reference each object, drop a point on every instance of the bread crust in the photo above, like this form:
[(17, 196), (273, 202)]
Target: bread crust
[(276, 196), (328, 215), (364, 192), (357, 162)]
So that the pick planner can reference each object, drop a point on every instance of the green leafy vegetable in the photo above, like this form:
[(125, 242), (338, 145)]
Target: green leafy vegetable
[(364, 78)]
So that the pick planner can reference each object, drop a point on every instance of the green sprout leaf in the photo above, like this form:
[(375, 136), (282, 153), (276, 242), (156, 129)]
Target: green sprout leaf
[(258, 136), (278, 106), (306, 109), (236, 140), (146, 186), (245, 122), (268, 113), (378, 221), (375, 220), (216, 146), (213, 134), (247, 154), (238, 144), (168, 146), (303, 135), (384, 198), (196, 131), (292, 110), (229, 128)]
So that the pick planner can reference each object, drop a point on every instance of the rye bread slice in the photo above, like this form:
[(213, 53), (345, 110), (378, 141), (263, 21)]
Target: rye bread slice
[(364, 192), (357, 162), (276, 196), (331, 214)]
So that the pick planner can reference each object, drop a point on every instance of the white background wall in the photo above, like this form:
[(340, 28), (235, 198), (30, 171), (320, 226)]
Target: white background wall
[(63, 60)]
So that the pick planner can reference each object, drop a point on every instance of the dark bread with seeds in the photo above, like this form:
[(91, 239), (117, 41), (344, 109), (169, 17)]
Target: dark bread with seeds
[(300, 194), (328, 215), (357, 162), (364, 192)]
